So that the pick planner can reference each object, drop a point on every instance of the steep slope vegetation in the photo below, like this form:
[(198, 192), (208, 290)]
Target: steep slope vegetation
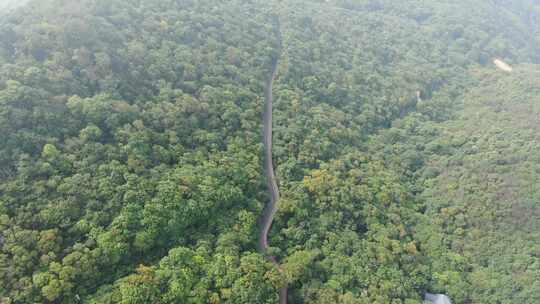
[(481, 191), (477, 185)]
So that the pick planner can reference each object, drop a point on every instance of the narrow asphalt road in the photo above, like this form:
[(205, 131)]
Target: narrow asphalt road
[(271, 206)]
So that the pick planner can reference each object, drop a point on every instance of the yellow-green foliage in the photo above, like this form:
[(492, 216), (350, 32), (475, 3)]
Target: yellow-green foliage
[(131, 151)]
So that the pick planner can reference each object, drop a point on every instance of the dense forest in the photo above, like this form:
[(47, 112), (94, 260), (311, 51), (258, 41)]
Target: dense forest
[(132, 157)]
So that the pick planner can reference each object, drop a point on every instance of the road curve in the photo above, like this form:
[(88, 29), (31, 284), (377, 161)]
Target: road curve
[(271, 207)]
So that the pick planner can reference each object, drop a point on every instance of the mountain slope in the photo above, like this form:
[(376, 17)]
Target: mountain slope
[(484, 199)]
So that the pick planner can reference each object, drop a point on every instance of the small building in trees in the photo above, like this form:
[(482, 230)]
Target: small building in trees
[(502, 65)]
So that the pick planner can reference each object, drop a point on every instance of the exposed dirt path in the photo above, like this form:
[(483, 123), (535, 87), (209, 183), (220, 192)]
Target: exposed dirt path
[(271, 206)]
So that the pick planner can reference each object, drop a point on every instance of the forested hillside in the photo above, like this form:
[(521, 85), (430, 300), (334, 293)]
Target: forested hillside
[(481, 189), (132, 164)]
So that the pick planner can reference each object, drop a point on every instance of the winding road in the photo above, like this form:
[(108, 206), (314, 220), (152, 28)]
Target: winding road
[(271, 207)]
